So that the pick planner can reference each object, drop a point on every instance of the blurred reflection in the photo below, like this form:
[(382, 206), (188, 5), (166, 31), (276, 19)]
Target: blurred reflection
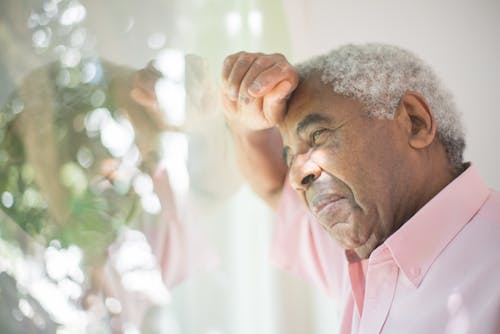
[(89, 229), (98, 183), (100, 144)]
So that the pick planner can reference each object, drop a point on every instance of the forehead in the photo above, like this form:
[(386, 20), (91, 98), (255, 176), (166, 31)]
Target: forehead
[(314, 100)]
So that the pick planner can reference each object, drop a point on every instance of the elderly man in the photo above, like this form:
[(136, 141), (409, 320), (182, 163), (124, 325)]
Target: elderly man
[(382, 211)]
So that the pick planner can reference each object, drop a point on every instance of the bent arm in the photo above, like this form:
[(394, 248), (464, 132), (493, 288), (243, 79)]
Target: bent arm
[(255, 91)]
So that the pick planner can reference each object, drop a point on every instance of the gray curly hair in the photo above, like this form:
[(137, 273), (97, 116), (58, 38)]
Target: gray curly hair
[(378, 75)]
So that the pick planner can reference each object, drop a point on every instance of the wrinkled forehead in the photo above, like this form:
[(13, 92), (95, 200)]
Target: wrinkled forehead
[(303, 101)]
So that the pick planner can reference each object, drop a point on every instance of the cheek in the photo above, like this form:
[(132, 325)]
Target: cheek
[(344, 164), (354, 231)]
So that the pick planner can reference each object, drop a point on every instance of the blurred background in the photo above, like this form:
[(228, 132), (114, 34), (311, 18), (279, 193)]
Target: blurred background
[(122, 213)]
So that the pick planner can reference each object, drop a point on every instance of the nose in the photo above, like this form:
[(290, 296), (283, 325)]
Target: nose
[(303, 172)]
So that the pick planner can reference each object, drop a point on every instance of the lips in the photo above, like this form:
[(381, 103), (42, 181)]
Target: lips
[(319, 202)]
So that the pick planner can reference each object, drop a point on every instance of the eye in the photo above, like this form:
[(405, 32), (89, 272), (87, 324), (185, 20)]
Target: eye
[(316, 136)]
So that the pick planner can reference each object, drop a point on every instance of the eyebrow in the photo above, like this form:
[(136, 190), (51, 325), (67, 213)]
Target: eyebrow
[(309, 120), (302, 126)]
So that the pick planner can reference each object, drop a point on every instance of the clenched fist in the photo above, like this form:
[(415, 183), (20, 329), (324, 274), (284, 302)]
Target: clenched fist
[(255, 89)]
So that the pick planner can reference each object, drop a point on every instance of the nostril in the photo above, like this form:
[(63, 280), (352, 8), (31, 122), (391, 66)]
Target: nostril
[(308, 179)]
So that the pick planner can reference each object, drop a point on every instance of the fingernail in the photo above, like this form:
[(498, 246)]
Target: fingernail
[(233, 95), (244, 99), (255, 87)]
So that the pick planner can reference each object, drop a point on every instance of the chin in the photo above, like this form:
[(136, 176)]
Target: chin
[(346, 238)]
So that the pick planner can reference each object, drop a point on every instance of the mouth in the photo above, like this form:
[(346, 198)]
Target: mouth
[(322, 202)]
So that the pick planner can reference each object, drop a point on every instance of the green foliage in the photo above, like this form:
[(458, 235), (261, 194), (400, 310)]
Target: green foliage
[(96, 206)]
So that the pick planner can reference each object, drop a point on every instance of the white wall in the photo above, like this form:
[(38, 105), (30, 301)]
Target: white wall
[(458, 38)]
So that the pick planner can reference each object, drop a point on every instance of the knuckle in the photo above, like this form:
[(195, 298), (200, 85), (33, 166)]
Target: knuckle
[(260, 62), (229, 60), (246, 58), (279, 56), (283, 65)]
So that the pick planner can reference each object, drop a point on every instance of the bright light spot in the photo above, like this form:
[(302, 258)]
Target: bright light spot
[(75, 13), (43, 20), (117, 135), (151, 203), (55, 264), (17, 106), (61, 263), (148, 282), (175, 149), (170, 62), (130, 328), (26, 308), (71, 57), (89, 71), (73, 177), (132, 158), (7, 199), (233, 23), (74, 271), (50, 8), (33, 199), (85, 157), (78, 38), (143, 184), (96, 118), (134, 253), (92, 72), (58, 50), (113, 305), (41, 38), (454, 302), (137, 267), (53, 301), (33, 20), (172, 98), (156, 40), (255, 22), (70, 288)]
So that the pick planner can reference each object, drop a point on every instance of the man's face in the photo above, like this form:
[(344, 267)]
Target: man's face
[(351, 170)]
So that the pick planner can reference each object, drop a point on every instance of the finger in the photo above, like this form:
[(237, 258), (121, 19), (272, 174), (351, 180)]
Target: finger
[(229, 107), (268, 79), (144, 98), (146, 79), (226, 71), (228, 65), (275, 102), (240, 68), (260, 65)]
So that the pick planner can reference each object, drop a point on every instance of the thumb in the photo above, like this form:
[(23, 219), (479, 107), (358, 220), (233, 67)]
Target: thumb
[(275, 102)]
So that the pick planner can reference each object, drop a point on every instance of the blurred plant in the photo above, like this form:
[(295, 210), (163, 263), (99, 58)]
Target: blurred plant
[(73, 147)]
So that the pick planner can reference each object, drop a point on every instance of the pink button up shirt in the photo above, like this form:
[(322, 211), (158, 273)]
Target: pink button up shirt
[(439, 273)]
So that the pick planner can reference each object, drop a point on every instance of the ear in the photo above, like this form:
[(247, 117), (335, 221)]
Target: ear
[(417, 119)]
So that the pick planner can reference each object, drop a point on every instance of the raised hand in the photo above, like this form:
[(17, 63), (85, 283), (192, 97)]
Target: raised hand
[(255, 89)]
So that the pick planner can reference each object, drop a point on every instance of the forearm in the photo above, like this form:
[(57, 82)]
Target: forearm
[(259, 157), (255, 90)]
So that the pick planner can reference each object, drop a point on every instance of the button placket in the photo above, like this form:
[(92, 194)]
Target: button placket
[(381, 283)]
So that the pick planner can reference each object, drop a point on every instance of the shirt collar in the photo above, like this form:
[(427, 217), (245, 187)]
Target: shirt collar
[(424, 236)]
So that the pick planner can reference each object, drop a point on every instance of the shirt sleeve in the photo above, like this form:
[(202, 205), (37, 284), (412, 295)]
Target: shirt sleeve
[(302, 247)]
